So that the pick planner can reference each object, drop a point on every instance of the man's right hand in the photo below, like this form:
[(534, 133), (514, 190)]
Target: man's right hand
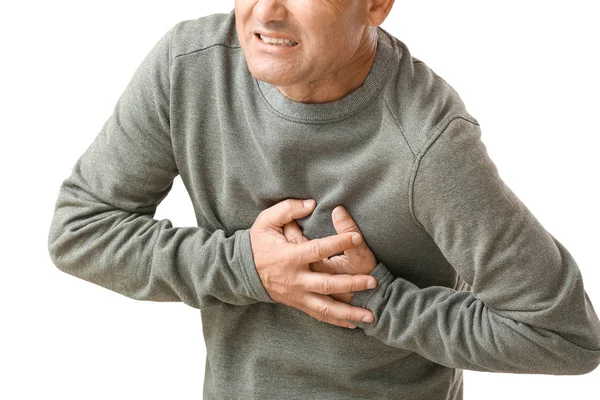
[(283, 267)]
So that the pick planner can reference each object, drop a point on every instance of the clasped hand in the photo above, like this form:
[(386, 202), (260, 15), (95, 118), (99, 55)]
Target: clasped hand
[(298, 272)]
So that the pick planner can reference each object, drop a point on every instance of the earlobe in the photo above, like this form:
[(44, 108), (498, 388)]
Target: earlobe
[(378, 11)]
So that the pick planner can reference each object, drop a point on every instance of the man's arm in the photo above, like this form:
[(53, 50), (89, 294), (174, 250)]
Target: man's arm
[(528, 311), (103, 228)]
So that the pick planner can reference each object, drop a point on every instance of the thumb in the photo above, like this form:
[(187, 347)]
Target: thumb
[(360, 257), (285, 212)]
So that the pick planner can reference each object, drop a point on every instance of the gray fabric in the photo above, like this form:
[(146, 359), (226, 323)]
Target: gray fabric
[(468, 278)]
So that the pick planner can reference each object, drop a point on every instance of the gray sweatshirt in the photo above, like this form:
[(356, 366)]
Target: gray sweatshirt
[(467, 277)]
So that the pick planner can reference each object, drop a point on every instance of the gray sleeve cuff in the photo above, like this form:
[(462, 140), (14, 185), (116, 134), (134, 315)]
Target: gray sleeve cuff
[(369, 298), (250, 274)]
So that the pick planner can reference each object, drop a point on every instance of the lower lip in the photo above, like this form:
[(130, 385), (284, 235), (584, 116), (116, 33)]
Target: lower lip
[(274, 48)]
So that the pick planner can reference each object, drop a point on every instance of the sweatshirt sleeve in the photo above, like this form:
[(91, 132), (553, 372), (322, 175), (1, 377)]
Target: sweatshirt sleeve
[(103, 228), (527, 311)]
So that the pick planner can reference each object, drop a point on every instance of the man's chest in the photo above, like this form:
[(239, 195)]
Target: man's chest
[(235, 166)]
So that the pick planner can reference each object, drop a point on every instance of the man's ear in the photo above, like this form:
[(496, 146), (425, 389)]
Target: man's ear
[(378, 11)]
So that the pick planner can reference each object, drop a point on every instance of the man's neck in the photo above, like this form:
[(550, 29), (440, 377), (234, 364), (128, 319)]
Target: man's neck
[(339, 85)]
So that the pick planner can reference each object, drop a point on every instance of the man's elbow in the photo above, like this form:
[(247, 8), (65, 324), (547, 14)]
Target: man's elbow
[(60, 247), (582, 366), (56, 250), (592, 360), (585, 358)]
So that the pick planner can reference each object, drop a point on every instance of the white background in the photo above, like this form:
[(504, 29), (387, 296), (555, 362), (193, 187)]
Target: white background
[(527, 70)]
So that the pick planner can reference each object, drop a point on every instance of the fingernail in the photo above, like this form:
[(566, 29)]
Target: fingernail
[(367, 319), (371, 284), (339, 213), (352, 326), (356, 239), (309, 203)]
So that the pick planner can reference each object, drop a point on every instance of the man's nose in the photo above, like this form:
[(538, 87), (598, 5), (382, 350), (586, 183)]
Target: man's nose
[(270, 11)]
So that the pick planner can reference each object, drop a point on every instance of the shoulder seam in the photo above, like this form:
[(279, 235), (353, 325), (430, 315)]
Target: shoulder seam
[(206, 48), (426, 147), (399, 126), (170, 51)]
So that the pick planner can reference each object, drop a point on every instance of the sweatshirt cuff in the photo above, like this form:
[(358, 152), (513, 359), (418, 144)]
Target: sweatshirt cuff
[(369, 298), (248, 267)]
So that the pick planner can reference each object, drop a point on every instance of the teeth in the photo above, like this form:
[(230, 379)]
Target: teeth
[(284, 42)]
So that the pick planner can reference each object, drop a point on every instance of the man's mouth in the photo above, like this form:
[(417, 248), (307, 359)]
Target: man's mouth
[(276, 41)]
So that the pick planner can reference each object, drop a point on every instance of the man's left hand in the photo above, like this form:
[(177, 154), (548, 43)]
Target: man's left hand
[(357, 260)]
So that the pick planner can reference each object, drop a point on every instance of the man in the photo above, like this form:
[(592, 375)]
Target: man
[(280, 102)]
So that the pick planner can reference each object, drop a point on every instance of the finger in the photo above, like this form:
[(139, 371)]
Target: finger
[(318, 249), (337, 265), (326, 307), (285, 212), (330, 320), (293, 233), (343, 223), (324, 283)]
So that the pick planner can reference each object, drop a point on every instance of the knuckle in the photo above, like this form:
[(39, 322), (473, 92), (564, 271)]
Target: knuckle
[(324, 312), (352, 227), (289, 204), (324, 286), (316, 249), (352, 286), (349, 227), (292, 238)]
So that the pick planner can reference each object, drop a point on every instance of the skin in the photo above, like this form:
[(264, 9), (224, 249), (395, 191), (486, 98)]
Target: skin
[(337, 43), (283, 265), (336, 47), (355, 261)]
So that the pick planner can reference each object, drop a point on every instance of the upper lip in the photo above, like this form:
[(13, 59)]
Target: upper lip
[(275, 35)]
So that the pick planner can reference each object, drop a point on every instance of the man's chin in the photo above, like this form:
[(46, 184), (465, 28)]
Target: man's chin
[(271, 76)]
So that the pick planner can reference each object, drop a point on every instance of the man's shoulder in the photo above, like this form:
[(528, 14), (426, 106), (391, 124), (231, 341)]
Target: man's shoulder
[(198, 34), (422, 101)]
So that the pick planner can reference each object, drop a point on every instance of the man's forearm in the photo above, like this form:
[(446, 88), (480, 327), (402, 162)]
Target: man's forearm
[(527, 312), (455, 329), (147, 259), (103, 228)]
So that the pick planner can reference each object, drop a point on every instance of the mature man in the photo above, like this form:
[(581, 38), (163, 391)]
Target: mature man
[(283, 101)]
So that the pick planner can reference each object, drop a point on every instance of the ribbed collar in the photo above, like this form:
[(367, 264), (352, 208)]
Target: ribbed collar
[(343, 107)]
